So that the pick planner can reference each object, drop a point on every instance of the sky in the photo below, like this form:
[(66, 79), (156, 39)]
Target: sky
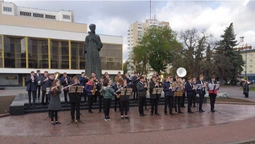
[(114, 17)]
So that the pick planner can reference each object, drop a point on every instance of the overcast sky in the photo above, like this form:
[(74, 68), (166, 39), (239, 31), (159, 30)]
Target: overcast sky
[(114, 17)]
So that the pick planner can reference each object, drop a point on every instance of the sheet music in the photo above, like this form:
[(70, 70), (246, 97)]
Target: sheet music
[(199, 86)]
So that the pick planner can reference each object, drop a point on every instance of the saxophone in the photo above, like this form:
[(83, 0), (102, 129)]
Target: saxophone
[(94, 88)]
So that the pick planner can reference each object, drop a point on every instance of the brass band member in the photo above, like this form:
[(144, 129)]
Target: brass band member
[(183, 94), (167, 87), (201, 91), (212, 88), (45, 78), (189, 89), (83, 79), (99, 87), (65, 81), (194, 81), (89, 89), (116, 86), (108, 93), (55, 104), (75, 100), (178, 90), (154, 97), (135, 80), (31, 82), (141, 88), (124, 102)]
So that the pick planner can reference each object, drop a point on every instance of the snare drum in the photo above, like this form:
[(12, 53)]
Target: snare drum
[(47, 90)]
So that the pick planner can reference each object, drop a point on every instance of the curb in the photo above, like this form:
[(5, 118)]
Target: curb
[(4, 115)]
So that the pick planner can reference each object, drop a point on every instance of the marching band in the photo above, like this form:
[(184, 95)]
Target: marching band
[(121, 91)]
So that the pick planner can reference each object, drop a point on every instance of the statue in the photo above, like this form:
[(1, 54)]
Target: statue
[(92, 47)]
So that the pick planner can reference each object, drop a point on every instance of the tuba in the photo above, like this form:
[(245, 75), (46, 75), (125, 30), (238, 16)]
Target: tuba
[(181, 72)]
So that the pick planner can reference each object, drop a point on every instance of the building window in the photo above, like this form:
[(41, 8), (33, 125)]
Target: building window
[(66, 16), (250, 71), (38, 53), (77, 58), (250, 55), (110, 59), (59, 55), (25, 13), (251, 60), (38, 15), (14, 52), (50, 16), (8, 9), (250, 66)]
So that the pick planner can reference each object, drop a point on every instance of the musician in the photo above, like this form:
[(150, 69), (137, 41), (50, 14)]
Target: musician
[(167, 88), (49, 83), (106, 75), (201, 92), (183, 94), (31, 82), (212, 88), (141, 88), (135, 80), (154, 97), (39, 80), (55, 74), (89, 87), (128, 79), (178, 90), (45, 78), (95, 94), (116, 86), (194, 81), (75, 100), (108, 93), (65, 81), (189, 89), (83, 80), (124, 101), (246, 89), (55, 104), (145, 82), (99, 87)]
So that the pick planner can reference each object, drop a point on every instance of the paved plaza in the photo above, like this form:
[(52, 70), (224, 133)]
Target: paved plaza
[(234, 124)]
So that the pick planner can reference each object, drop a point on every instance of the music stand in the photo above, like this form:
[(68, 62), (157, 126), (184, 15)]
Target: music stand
[(126, 92), (76, 90)]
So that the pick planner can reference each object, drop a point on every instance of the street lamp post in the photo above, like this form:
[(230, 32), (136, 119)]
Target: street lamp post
[(246, 61)]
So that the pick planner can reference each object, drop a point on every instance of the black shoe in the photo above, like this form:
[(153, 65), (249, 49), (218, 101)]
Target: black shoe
[(151, 113), (180, 112), (157, 114), (166, 113), (183, 107), (91, 112), (190, 112), (194, 106), (213, 111), (144, 115), (171, 114), (99, 112), (141, 115)]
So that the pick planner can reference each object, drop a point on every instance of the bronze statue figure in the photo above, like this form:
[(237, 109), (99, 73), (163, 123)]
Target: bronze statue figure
[(92, 47)]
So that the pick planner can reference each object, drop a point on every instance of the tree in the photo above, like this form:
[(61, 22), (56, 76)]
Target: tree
[(195, 52), (125, 69), (156, 48), (229, 62)]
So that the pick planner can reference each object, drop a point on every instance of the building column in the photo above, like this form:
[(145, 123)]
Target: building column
[(26, 41), (3, 51), (70, 56), (49, 54)]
